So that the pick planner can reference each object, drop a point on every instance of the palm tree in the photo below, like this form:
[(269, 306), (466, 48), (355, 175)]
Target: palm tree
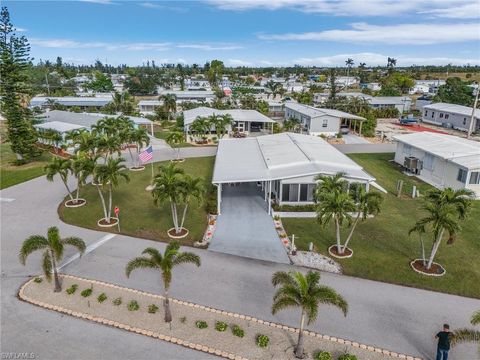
[(108, 176), (349, 62), (53, 246), (468, 335), (175, 138), (169, 187), (193, 188), (141, 139), (367, 203), (169, 104), (108, 145), (303, 291), (201, 125), (445, 209), (165, 264), (221, 123), (330, 184), (82, 167), (61, 167), (84, 141)]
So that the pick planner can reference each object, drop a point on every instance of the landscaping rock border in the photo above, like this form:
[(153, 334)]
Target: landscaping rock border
[(140, 168), (330, 252), (194, 346), (71, 204), (114, 223), (177, 236), (424, 273)]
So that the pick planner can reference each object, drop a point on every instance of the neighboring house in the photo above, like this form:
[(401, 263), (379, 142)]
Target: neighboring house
[(60, 127), (374, 86), (445, 160), (431, 86), (318, 121), (83, 102), (451, 116), (401, 103), (284, 165), (197, 84), (248, 122), (419, 89), (200, 96), (421, 102), (276, 109), (147, 107), (346, 80)]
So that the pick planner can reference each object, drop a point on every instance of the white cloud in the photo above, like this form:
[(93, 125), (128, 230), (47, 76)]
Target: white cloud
[(375, 59), (153, 5), (238, 62), (209, 47), (354, 7), (415, 34), (19, 29), (465, 11), (101, 2), (72, 44)]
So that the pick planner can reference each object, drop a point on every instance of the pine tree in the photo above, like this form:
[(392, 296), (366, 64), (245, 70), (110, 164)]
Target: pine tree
[(14, 61)]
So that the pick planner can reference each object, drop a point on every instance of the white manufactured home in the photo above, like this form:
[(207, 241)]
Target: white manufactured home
[(283, 165), (451, 115), (441, 160)]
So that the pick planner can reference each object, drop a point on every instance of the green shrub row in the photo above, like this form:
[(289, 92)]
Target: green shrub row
[(325, 355)]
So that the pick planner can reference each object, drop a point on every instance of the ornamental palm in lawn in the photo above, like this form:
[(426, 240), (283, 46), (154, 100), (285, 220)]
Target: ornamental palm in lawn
[(52, 246), (82, 167), (468, 335), (445, 209), (170, 186), (165, 264), (107, 176), (169, 104), (141, 139), (221, 124), (84, 141), (175, 138), (62, 168), (304, 292), (200, 126), (193, 188)]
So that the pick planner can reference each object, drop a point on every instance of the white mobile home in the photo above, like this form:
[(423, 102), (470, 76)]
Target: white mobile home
[(442, 160), (318, 121), (451, 115)]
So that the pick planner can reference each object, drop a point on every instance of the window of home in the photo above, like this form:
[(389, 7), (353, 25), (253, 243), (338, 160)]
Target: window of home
[(293, 196), (474, 177), (426, 113), (441, 115), (447, 116), (407, 149), (462, 175), (285, 192), (311, 191), (465, 121), (428, 161), (303, 192), (325, 123), (433, 114)]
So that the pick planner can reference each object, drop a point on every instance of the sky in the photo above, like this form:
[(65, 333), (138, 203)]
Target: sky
[(252, 32)]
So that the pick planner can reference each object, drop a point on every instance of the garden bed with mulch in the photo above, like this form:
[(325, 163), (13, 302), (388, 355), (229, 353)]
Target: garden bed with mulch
[(131, 313)]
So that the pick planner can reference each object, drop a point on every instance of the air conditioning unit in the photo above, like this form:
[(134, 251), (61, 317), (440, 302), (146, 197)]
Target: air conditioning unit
[(413, 164)]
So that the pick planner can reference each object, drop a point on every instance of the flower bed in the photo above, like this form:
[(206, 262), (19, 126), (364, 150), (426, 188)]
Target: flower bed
[(183, 330)]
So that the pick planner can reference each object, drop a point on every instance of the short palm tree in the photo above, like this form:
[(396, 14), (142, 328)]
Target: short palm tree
[(107, 176), (62, 168), (367, 203), (169, 186), (330, 184), (193, 188), (175, 138), (165, 264), (468, 335), (169, 104), (445, 209), (52, 246), (304, 292), (140, 139)]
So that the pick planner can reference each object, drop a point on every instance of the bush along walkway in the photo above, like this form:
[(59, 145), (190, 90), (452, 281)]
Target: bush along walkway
[(225, 334)]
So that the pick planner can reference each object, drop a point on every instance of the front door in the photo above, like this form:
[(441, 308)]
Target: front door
[(240, 126)]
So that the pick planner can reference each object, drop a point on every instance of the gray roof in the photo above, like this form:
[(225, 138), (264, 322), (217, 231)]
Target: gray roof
[(313, 112), (71, 100), (237, 115), (453, 108), (190, 94), (281, 156), (452, 148), (59, 126)]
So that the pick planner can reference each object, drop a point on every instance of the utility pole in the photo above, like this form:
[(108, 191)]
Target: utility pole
[(471, 128)]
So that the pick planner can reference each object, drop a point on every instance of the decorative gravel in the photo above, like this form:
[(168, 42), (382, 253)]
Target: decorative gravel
[(225, 344), (316, 261)]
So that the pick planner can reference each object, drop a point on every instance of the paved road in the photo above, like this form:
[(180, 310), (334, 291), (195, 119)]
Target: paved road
[(365, 148), (244, 228), (398, 318), (354, 139)]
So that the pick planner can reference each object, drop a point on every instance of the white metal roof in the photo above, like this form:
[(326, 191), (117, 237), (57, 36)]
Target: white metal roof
[(281, 156), (313, 112), (59, 126), (150, 102), (453, 108), (452, 148), (189, 116), (72, 100)]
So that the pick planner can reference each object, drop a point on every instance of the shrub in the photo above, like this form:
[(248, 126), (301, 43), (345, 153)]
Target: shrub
[(201, 324), (117, 301), (347, 356), (86, 292), (262, 341), (102, 297), (133, 305), (72, 289), (221, 326), (183, 319), (238, 331), (323, 355), (152, 309), (38, 280)]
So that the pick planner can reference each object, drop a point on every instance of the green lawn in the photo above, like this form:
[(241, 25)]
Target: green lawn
[(138, 215), (163, 134), (11, 174), (382, 247)]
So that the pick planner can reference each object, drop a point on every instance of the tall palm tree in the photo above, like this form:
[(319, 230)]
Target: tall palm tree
[(349, 63), (169, 187), (107, 176), (201, 126), (445, 209), (367, 203), (193, 188), (175, 138), (165, 264), (62, 168), (468, 335), (330, 184), (52, 246), (169, 104), (221, 123), (141, 139), (82, 167), (304, 292), (84, 141)]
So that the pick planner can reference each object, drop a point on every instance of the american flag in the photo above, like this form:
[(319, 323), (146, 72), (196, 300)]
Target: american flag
[(146, 155)]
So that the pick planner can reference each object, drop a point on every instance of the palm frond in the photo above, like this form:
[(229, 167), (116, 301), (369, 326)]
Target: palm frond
[(76, 242), (464, 335), (31, 244), (47, 265), (154, 253), (186, 258), (327, 295), (282, 278), (139, 263), (53, 236), (475, 320), (283, 303)]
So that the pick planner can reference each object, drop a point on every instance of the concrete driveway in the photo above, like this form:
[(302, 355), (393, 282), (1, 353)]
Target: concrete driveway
[(354, 139), (244, 228)]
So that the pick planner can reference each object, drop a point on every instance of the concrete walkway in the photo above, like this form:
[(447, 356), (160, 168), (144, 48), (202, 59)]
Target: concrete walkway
[(354, 139), (244, 228)]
